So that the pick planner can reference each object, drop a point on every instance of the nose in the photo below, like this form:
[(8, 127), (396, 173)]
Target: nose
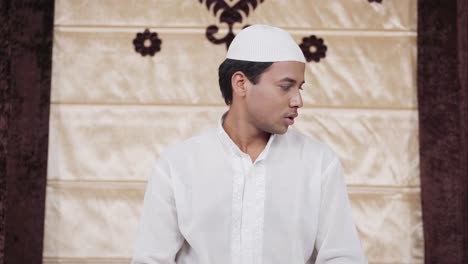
[(296, 100)]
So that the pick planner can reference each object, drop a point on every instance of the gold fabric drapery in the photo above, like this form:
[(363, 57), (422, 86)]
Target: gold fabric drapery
[(113, 111)]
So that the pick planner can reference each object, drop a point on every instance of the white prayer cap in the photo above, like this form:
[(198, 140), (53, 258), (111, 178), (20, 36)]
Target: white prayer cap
[(263, 43)]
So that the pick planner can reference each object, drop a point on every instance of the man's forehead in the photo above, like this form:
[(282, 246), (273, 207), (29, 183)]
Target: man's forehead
[(287, 71)]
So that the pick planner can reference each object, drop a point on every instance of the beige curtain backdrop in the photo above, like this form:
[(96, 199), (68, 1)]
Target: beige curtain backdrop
[(113, 111)]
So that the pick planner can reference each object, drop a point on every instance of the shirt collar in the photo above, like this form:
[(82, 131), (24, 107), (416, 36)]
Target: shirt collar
[(227, 141)]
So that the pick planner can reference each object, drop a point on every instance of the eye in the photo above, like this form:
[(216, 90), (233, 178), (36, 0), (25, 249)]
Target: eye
[(285, 87)]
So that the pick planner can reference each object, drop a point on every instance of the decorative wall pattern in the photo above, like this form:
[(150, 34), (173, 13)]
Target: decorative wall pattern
[(147, 43), (113, 112), (229, 12), (313, 48)]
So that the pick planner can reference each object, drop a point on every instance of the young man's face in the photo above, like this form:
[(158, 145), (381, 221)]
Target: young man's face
[(272, 103)]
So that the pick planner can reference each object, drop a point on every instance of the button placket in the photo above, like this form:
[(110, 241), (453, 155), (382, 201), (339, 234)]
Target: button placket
[(253, 213), (259, 200), (237, 207)]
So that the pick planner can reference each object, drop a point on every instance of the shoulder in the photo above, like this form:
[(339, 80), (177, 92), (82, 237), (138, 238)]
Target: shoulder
[(189, 146)]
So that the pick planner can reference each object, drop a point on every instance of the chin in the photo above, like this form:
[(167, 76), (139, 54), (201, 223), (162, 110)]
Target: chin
[(279, 131)]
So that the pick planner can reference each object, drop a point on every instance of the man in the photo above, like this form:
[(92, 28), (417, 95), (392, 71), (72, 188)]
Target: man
[(252, 190)]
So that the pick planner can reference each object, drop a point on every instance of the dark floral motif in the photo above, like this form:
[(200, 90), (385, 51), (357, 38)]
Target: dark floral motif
[(313, 48), (375, 1), (147, 43), (231, 14)]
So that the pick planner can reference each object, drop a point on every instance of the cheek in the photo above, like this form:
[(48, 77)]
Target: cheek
[(261, 101), (265, 106)]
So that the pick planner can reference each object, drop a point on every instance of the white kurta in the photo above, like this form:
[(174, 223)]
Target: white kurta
[(207, 203)]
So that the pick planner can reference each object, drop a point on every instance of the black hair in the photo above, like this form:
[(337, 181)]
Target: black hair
[(252, 71)]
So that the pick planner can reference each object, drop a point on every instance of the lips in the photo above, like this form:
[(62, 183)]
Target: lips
[(290, 118)]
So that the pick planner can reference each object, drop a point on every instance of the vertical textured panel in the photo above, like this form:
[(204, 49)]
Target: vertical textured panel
[(443, 113), (25, 74)]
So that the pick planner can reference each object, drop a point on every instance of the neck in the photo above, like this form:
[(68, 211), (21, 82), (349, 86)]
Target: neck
[(247, 137)]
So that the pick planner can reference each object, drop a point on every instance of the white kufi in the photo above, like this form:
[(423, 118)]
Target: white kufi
[(263, 43)]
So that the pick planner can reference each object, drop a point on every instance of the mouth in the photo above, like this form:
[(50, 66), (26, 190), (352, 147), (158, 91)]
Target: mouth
[(290, 119)]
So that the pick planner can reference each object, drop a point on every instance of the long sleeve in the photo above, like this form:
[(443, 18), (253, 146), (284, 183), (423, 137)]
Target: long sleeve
[(158, 237), (337, 238)]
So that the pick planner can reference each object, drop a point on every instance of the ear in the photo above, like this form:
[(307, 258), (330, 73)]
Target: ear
[(239, 84)]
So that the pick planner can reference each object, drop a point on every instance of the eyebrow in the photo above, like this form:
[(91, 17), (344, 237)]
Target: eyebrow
[(287, 79)]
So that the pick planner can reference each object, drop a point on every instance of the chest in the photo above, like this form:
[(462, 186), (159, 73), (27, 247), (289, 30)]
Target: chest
[(214, 195)]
